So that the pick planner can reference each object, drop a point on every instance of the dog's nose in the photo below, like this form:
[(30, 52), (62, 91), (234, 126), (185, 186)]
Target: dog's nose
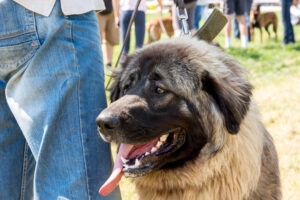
[(108, 122)]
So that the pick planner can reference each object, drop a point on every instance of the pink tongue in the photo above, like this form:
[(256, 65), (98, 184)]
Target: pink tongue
[(117, 173), (114, 179)]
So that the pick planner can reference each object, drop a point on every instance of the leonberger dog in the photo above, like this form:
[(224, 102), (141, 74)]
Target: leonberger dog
[(188, 129)]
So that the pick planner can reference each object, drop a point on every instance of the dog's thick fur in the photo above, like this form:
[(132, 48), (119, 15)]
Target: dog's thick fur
[(155, 31), (262, 20), (228, 154)]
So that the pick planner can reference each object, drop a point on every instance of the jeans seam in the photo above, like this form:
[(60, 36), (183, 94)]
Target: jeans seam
[(35, 29), (27, 28), (23, 181), (79, 110)]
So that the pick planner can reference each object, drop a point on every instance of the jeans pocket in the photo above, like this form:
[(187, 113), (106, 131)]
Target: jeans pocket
[(18, 35)]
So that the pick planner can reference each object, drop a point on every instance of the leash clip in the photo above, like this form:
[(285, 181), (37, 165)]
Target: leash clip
[(182, 16)]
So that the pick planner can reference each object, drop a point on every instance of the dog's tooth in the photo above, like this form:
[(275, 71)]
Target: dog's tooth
[(153, 150), (125, 167), (163, 138), (137, 163), (124, 160), (158, 144), (147, 153)]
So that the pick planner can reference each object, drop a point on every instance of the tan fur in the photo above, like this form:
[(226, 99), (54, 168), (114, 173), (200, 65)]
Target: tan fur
[(232, 174), (240, 170), (237, 161), (155, 31)]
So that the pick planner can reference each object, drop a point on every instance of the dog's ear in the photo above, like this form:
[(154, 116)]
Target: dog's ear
[(258, 8), (116, 86), (232, 98)]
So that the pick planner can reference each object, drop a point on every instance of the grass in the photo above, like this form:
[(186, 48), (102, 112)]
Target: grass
[(274, 70)]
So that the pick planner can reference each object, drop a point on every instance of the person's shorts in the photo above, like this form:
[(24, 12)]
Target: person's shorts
[(234, 6), (108, 30)]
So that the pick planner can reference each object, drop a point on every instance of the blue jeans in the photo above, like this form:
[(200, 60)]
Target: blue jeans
[(199, 9), (288, 31), (139, 24), (51, 90)]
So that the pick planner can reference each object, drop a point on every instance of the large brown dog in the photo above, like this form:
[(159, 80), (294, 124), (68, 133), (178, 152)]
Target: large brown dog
[(262, 20), (155, 29), (188, 129)]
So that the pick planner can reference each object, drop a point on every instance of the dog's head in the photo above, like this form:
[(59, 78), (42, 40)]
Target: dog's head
[(254, 13), (169, 101)]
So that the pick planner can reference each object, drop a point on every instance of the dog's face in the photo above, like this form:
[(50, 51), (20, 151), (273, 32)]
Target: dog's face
[(254, 13), (169, 101)]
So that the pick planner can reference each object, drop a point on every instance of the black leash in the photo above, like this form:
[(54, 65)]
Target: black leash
[(181, 14), (211, 28), (126, 38)]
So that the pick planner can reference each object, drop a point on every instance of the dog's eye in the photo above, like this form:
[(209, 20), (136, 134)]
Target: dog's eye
[(125, 89), (159, 90)]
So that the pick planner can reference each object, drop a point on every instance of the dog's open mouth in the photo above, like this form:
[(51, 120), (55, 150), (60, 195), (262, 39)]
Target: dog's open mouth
[(141, 159)]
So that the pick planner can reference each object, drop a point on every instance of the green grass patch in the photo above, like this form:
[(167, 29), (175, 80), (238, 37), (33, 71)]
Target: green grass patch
[(265, 60)]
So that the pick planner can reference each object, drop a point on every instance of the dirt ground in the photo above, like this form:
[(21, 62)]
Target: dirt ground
[(280, 110)]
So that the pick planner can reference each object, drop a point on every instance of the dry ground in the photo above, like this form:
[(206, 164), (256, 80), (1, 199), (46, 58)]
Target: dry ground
[(280, 110)]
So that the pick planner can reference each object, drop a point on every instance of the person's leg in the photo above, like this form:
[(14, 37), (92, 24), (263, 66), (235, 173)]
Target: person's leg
[(17, 162), (18, 42), (248, 6), (236, 29), (125, 17), (190, 8), (103, 24), (227, 29), (197, 18), (90, 99), (240, 9), (55, 98), (108, 48), (243, 30), (228, 10), (288, 34), (140, 22), (201, 12), (112, 37)]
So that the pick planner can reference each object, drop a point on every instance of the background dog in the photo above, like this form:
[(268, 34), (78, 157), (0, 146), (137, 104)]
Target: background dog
[(154, 28), (187, 127), (262, 20)]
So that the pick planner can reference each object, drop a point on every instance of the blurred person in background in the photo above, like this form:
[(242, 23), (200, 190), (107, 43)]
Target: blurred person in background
[(124, 9), (109, 31), (248, 5), (236, 7), (288, 31), (201, 11), (295, 12)]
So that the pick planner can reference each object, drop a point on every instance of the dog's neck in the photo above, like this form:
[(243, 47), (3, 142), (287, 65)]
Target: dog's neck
[(208, 177)]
